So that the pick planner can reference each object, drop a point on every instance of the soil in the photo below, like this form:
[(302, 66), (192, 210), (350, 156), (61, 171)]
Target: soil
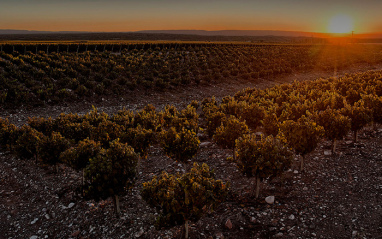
[(337, 196)]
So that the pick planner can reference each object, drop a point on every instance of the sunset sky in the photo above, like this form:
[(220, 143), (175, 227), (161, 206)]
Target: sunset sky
[(134, 15)]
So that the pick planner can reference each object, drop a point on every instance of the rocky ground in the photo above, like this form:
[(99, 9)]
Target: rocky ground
[(337, 196)]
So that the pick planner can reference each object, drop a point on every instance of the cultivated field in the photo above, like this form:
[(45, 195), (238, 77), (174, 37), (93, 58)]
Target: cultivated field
[(301, 123)]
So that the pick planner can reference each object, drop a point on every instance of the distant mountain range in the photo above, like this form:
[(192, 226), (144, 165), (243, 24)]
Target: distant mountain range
[(26, 32), (232, 33), (229, 33), (257, 33)]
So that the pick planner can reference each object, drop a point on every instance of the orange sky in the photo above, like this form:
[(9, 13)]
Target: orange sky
[(134, 15)]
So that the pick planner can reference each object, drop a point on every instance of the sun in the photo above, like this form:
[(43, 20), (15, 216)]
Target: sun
[(340, 24)]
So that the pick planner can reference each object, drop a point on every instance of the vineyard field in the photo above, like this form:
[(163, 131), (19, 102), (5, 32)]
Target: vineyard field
[(190, 138), (51, 73)]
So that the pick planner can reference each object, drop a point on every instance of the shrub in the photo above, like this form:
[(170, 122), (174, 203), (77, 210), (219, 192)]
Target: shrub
[(168, 115), (8, 134), (271, 124), (214, 118), (138, 138), (374, 103), (268, 157), (360, 116), (106, 131), (230, 129), (303, 136), (180, 146), (43, 125), (147, 118), (124, 118), (183, 198), (94, 118), (253, 114), (51, 147), (27, 143), (78, 157), (335, 124), (188, 118), (111, 173)]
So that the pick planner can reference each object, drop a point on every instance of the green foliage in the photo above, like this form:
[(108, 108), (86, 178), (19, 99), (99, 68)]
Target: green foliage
[(8, 134), (374, 103), (208, 102), (168, 115), (38, 77), (229, 106), (78, 157), (271, 124), (303, 135), (138, 138), (28, 141), (230, 130), (359, 114), (188, 118), (268, 157), (106, 131), (124, 118), (179, 145), (194, 104), (335, 124), (253, 114), (75, 131), (51, 147), (214, 119), (94, 118), (147, 118), (43, 125), (112, 172), (181, 198)]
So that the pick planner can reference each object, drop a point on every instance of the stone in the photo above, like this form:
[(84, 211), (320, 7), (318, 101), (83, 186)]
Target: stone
[(295, 172), (140, 233), (228, 224), (219, 235), (280, 234), (34, 221), (327, 152), (354, 234), (270, 199), (47, 216), (33, 237), (291, 217), (71, 205), (76, 233), (205, 144)]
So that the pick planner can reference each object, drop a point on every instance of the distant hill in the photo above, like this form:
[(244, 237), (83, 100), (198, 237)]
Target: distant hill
[(186, 35), (178, 32), (232, 33), (256, 33), (26, 32)]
